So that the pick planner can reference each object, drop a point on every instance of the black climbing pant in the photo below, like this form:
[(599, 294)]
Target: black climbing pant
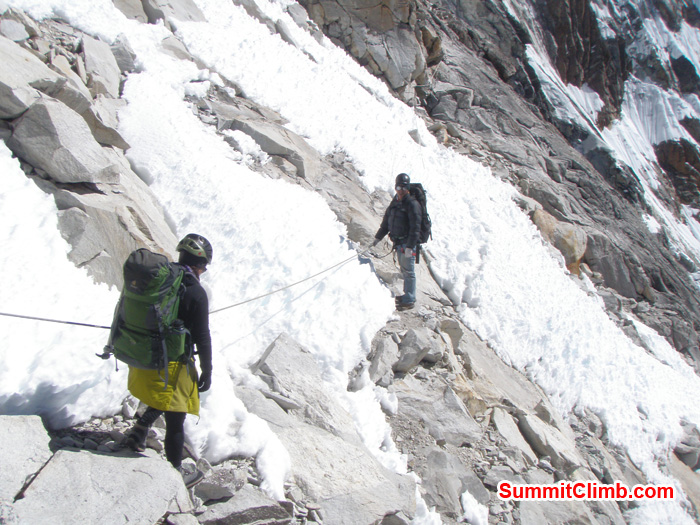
[(174, 432)]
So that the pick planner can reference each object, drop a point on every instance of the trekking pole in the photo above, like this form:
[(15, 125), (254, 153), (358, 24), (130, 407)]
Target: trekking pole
[(54, 320)]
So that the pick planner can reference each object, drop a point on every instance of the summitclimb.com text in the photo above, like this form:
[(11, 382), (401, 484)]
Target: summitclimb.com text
[(582, 491)]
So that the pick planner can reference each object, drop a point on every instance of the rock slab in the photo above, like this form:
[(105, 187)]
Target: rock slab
[(25, 450)]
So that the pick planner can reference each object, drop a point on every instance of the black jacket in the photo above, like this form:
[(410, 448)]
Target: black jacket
[(194, 313), (402, 221)]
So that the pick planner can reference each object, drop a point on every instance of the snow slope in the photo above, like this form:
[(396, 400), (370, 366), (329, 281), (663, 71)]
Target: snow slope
[(268, 233)]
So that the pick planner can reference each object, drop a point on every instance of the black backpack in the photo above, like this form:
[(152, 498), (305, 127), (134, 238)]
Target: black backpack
[(418, 193)]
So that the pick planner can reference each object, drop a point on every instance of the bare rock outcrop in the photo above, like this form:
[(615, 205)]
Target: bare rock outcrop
[(62, 110), (25, 446), (329, 461), (57, 140), (102, 488)]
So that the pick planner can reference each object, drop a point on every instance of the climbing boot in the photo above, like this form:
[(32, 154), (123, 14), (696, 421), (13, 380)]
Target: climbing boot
[(136, 438), (191, 475)]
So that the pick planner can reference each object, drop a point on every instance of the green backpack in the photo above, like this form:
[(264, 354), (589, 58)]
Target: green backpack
[(146, 332)]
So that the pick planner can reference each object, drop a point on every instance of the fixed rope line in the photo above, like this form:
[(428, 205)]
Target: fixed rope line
[(290, 285), (360, 254), (54, 320), (289, 302)]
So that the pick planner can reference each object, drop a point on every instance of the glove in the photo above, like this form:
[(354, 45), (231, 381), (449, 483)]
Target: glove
[(408, 251), (376, 241), (204, 382)]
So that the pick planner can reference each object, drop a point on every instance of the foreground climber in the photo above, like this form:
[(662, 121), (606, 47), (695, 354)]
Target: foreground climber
[(402, 221), (183, 385)]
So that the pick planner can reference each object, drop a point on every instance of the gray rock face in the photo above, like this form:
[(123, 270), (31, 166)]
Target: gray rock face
[(171, 11), (13, 30), (494, 382), (69, 138), (295, 374), (104, 226), (508, 428), (104, 75), (344, 479), (680, 159), (22, 77), (380, 36), (102, 119), (24, 447), (54, 138), (385, 354), (551, 513), (103, 489), (398, 56), (445, 479), (132, 9), (79, 98), (602, 257), (548, 441), (329, 461), (416, 345), (248, 505), (272, 137), (688, 479), (124, 55), (39, 486), (441, 410)]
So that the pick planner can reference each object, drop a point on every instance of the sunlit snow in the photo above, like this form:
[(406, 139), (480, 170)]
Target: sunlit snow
[(267, 233)]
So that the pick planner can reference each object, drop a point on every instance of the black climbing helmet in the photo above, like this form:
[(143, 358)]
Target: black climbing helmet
[(402, 179), (196, 245)]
